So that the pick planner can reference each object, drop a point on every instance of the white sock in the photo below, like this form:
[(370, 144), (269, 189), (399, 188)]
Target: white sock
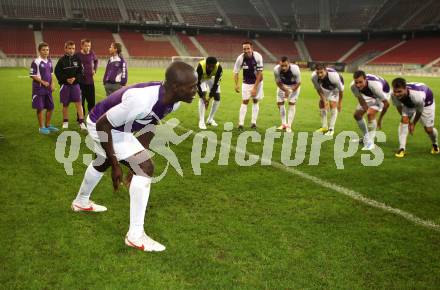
[(202, 111), (434, 136), (292, 111), (372, 130), (213, 110), (255, 109), (243, 110), (282, 114), (323, 118), (139, 193), (91, 179), (403, 133), (363, 126), (333, 117)]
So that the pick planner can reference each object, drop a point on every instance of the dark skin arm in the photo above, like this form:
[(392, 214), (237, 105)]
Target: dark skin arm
[(103, 125), (217, 79)]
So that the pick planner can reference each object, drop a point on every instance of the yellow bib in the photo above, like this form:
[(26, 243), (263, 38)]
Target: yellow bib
[(205, 76)]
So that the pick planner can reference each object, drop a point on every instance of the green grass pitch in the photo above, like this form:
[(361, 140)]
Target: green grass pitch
[(232, 227)]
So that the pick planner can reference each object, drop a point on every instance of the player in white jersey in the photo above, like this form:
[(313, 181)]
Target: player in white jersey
[(330, 87), (111, 125), (288, 79), (414, 102), (373, 94), (252, 87)]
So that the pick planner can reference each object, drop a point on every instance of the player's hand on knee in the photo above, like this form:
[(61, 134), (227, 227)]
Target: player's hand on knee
[(237, 89), (116, 176), (411, 128), (128, 178)]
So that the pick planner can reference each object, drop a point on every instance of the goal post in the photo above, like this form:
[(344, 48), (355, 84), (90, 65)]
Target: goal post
[(192, 60)]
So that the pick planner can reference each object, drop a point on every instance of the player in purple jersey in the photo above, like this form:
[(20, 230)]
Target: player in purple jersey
[(252, 87), (111, 124), (116, 74), (90, 65), (69, 72), (373, 94), (42, 88), (414, 102)]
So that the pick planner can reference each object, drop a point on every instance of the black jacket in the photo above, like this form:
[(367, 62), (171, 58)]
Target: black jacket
[(68, 67)]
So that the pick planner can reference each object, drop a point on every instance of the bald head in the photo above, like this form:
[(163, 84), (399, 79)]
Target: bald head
[(181, 81)]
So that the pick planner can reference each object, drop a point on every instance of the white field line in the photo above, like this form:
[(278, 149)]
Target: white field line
[(347, 192)]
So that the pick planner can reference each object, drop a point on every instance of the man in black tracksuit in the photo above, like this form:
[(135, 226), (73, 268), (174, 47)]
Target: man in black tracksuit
[(69, 72)]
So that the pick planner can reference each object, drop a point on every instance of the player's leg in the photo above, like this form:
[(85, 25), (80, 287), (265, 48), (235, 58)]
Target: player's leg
[(75, 97), (427, 120), (281, 108), (84, 94), (142, 167), (323, 106), (245, 96), (403, 133), (292, 109), (91, 98), (214, 108), (64, 100), (256, 105), (333, 117), (49, 105), (359, 117), (202, 108), (92, 176), (42, 129)]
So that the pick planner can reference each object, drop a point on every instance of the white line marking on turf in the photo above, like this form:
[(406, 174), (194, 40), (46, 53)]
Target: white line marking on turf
[(347, 192)]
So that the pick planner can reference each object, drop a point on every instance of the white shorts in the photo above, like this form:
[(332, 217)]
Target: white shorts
[(427, 117), (373, 103), (331, 96), (246, 91), (125, 144), (293, 97), (206, 85)]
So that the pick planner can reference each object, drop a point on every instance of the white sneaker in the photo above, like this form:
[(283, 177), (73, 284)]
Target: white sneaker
[(202, 126), (288, 129), (144, 243), (83, 126), (90, 206), (212, 123), (65, 125), (330, 132), (368, 147)]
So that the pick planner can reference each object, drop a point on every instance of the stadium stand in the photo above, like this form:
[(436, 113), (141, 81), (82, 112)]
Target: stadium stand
[(394, 13), (242, 14), (280, 46), (329, 48), (348, 14), (51, 9), (140, 46), (285, 13), (187, 43), (428, 16), (148, 10), (421, 50), (372, 48), (225, 47), (307, 14), (56, 37), (98, 10), (198, 12), (17, 41)]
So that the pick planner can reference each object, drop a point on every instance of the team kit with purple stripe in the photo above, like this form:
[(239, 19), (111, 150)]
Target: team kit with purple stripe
[(141, 106)]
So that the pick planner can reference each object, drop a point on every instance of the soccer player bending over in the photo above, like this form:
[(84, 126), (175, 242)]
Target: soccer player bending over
[(209, 72), (111, 125), (252, 87), (330, 87), (373, 94), (288, 79), (414, 102), (69, 72), (42, 88)]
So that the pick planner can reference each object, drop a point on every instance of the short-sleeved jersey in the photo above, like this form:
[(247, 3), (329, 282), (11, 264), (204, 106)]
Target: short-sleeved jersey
[(134, 107), (90, 64), (419, 96), (377, 88), (251, 65), (291, 77), (332, 81), (43, 69)]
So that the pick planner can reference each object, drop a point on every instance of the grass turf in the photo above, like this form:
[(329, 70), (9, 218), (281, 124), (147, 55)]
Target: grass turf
[(231, 227)]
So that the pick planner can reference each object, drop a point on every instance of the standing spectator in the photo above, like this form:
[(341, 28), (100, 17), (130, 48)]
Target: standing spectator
[(90, 65), (115, 75)]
